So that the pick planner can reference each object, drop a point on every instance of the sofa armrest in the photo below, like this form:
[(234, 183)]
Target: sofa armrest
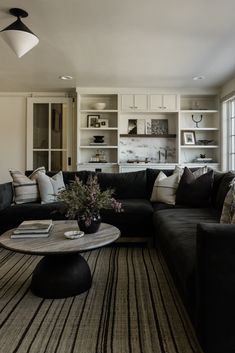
[(215, 281), (6, 195)]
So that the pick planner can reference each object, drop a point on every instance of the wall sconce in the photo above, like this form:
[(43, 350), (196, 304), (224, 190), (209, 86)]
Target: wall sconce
[(18, 36)]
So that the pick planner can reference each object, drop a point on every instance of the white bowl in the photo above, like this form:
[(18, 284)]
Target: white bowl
[(73, 234), (99, 106)]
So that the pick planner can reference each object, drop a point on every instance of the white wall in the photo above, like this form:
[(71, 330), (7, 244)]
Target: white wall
[(12, 135), (13, 113)]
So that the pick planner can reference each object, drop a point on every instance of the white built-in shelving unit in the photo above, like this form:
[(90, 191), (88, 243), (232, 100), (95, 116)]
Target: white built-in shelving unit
[(166, 150)]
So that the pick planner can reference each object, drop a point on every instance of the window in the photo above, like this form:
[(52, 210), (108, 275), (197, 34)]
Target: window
[(230, 113)]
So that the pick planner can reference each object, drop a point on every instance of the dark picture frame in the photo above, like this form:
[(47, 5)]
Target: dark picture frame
[(92, 120)]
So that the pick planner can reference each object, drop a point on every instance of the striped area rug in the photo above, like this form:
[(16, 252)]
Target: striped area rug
[(132, 307)]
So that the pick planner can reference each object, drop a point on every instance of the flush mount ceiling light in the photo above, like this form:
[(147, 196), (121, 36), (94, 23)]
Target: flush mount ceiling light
[(66, 77), (195, 78), (19, 37)]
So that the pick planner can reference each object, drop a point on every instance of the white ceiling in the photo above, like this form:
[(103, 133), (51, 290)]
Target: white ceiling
[(121, 43)]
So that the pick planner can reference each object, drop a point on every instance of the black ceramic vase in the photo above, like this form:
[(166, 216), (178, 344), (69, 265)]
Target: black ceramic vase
[(93, 227)]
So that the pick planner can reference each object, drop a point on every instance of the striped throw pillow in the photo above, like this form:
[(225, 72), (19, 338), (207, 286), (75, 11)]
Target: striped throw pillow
[(164, 189), (26, 188)]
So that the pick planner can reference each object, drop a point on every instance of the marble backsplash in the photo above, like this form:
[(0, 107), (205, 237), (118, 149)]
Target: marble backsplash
[(156, 150)]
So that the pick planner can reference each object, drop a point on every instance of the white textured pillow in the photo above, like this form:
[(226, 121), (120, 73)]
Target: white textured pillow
[(164, 188), (50, 187), (26, 188)]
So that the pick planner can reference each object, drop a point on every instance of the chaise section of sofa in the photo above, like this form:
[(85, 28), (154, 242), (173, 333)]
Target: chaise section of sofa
[(199, 252)]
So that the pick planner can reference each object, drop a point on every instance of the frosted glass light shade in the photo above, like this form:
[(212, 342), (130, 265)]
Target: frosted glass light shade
[(19, 41)]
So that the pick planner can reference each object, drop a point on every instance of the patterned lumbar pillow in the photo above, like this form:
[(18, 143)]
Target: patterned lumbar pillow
[(26, 188), (164, 188), (197, 173), (50, 187), (228, 211)]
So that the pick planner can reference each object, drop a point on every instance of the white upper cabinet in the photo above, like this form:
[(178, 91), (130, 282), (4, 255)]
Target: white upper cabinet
[(163, 102), (134, 102)]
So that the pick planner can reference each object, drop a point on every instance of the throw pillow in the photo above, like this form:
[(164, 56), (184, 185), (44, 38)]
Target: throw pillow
[(50, 187), (26, 188), (164, 188), (223, 189), (228, 214), (198, 172), (193, 191)]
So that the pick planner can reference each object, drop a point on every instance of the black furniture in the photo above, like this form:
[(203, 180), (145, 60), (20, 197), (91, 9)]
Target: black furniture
[(199, 251)]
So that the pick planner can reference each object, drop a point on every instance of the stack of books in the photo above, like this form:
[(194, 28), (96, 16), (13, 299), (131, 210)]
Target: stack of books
[(33, 229)]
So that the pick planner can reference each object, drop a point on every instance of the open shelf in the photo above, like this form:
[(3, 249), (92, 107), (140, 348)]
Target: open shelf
[(148, 135)]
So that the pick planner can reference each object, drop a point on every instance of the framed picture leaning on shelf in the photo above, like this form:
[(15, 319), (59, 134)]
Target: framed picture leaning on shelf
[(189, 138), (104, 122), (92, 120)]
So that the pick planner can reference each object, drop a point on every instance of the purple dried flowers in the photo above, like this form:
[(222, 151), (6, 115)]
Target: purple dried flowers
[(86, 200)]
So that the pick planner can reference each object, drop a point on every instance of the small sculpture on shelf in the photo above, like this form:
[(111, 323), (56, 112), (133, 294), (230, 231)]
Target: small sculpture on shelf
[(197, 120), (99, 157)]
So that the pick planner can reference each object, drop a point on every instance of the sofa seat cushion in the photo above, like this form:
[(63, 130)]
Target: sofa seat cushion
[(175, 232), (12, 216), (134, 221)]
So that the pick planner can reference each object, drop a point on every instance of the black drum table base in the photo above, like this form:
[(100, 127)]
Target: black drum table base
[(61, 276)]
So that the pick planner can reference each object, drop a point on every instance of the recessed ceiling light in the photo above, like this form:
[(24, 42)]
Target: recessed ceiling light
[(66, 77), (195, 78)]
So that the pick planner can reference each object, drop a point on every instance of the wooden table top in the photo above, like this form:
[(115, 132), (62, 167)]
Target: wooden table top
[(57, 244)]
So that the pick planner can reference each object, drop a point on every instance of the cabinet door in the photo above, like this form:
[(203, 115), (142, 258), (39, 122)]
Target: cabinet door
[(48, 133), (170, 102), (140, 102), (127, 102), (156, 103)]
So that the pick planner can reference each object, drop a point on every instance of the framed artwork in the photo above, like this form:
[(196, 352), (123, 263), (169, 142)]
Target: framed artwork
[(132, 126), (92, 120), (189, 137), (104, 122), (159, 126)]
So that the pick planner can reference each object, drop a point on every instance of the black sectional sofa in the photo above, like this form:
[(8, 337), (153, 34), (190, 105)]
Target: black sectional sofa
[(199, 251)]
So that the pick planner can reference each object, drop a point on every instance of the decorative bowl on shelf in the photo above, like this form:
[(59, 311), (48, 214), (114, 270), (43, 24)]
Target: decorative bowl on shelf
[(98, 139), (99, 106)]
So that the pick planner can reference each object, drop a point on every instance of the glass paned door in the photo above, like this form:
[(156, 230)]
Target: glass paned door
[(47, 133)]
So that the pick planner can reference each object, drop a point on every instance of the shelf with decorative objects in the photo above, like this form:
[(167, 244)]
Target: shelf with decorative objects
[(199, 130)]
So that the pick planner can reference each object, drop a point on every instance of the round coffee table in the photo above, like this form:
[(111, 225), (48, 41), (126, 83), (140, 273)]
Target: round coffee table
[(62, 272)]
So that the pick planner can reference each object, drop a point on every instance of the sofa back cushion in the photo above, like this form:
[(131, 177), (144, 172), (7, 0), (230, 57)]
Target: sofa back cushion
[(223, 188), (6, 195), (130, 185)]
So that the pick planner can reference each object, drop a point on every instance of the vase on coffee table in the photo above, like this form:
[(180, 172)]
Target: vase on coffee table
[(89, 226)]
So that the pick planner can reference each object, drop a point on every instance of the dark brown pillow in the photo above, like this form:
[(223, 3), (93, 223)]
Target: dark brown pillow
[(194, 192)]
